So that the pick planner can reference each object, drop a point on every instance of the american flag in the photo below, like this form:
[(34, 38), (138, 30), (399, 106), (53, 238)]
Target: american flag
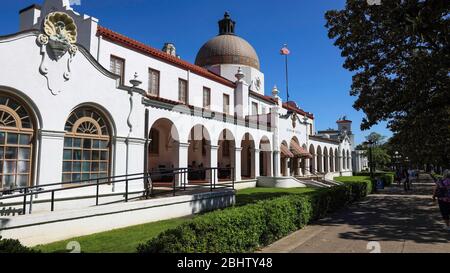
[(285, 51)]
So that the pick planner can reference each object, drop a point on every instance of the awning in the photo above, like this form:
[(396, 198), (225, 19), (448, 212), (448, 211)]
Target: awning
[(299, 151), (285, 152)]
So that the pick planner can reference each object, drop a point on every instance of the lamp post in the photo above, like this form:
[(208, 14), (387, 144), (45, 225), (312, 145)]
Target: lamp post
[(370, 143)]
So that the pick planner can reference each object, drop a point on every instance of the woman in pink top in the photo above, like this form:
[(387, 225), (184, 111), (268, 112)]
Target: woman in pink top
[(442, 193)]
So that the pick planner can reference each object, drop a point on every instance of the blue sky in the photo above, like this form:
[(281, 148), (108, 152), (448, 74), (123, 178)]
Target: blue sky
[(318, 82)]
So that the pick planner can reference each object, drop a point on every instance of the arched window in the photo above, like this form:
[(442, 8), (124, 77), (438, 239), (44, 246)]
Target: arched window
[(16, 144), (87, 146)]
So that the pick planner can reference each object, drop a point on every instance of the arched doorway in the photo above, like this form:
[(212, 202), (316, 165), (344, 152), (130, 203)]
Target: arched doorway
[(312, 162), (348, 160), (336, 160), (226, 158), (17, 143), (248, 157), (332, 168), (87, 146), (265, 158), (163, 150), (319, 160), (295, 161), (325, 160), (199, 153), (344, 160)]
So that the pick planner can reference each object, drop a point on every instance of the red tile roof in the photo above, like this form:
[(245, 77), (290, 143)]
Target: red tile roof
[(263, 97), (148, 50), (289, 106)]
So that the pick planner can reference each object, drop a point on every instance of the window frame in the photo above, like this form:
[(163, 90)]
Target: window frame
[(150, 70), (257, 108), (122, 76), (226, 107), (180, 80), (208, 91)]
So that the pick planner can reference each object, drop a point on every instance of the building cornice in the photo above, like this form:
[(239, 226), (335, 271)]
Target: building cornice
[(120, 39)]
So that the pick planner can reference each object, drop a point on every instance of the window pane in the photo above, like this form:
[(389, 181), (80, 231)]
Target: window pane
[(8, 181), (25, 140), (104, 156), (66, 177), (77, 166), (67, 154), (95, 166), (1, 166), (77, 155), (22, 180), (86, 167), (86, 155), (96, 144), (24, 154), (77, 143), (95, 155), (9, 167), (103, 144), (76, 177), (2, 138), (13, 138), (2, 152), (23, 167), (103, 167), (11, 153), (68, 142), (87, 144), (86, 176), (67, 167)]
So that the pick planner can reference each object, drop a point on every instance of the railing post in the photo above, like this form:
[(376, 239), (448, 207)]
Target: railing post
[(96, 195), (211, 179), (126, 190), (234, 178), (53, 201), (174, 184), (185, 175), (25, 202)]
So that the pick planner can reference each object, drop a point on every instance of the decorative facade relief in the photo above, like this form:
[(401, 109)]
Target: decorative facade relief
[(58, 39)]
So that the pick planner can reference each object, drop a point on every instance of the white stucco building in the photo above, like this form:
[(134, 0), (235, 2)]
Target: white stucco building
[(70, 112)]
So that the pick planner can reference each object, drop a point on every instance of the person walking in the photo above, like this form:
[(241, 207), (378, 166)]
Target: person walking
[(405, 179), (442, 194)]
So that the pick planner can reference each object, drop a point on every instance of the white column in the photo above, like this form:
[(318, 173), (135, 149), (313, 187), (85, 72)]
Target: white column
[(341, 162), (257, 168), (214, 158), (237, 165), (287, 170), (326, 165), (276, 164), (307, 164), (183, 149)]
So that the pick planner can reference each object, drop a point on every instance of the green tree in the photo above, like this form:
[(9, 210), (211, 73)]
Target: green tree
[(399, 52), (380, 152)]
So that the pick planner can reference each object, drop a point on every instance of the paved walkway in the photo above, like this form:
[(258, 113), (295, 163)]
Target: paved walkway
[(391, 222)]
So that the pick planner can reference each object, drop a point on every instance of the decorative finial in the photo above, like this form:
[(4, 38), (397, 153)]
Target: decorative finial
[(226, 25), (240, 75), (275, 92), (135, 82)]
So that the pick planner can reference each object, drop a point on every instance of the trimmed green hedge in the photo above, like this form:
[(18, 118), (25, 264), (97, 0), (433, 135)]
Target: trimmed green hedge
[(246, 228), (14, 246)]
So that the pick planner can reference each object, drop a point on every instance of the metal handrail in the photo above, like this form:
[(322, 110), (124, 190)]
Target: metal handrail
[(183, 172)]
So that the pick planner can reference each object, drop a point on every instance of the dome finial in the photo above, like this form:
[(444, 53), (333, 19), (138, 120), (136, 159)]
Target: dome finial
[(226, 25)]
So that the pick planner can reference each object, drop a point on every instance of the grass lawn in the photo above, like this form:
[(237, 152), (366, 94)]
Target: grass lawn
[(123, 240), (127, 239), (352, 178)]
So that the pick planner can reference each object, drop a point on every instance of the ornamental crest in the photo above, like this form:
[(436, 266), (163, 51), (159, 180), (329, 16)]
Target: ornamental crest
[(59, 38), (294, 119)]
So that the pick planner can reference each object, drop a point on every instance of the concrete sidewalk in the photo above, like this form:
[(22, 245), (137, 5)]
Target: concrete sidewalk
[(389, 222)]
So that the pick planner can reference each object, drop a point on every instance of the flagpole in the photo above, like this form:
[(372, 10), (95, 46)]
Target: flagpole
[(287, 78)]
